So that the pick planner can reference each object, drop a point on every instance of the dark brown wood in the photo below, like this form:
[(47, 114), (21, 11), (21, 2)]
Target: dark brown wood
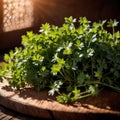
[(30, 102), (7, 114)]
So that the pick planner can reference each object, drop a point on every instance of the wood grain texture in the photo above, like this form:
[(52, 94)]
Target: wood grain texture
[(39, 104)]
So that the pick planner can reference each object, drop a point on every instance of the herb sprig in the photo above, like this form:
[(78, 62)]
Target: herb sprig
[(75, 62)]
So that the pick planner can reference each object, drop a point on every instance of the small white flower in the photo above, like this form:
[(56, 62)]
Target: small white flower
[(94, 38), (70, 44), (81, 46), (74, 20), (51, 92), (59, 49), (55, 57), (90, 52), (80, 55)]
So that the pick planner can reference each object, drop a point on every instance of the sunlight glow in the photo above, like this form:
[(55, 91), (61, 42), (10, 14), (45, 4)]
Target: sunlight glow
[(17, 14)]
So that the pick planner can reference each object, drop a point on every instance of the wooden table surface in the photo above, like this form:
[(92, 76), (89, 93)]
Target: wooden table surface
[(7, 114)]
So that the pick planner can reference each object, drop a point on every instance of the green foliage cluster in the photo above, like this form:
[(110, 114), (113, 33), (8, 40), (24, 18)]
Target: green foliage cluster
[(75, 62)]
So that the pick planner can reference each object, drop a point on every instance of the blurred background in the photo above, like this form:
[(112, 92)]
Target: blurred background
[(19, 16)]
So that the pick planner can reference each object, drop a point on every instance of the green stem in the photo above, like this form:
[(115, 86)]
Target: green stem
[(58, 92), (92, 67), (114, 88), (103, 84), (62, 74), (84, 96), (83, 93)]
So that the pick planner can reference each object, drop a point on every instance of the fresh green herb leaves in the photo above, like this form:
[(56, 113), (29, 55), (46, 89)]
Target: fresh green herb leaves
[(74, 62)]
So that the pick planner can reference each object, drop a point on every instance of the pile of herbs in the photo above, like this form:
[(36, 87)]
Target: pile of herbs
[(75, 62)]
